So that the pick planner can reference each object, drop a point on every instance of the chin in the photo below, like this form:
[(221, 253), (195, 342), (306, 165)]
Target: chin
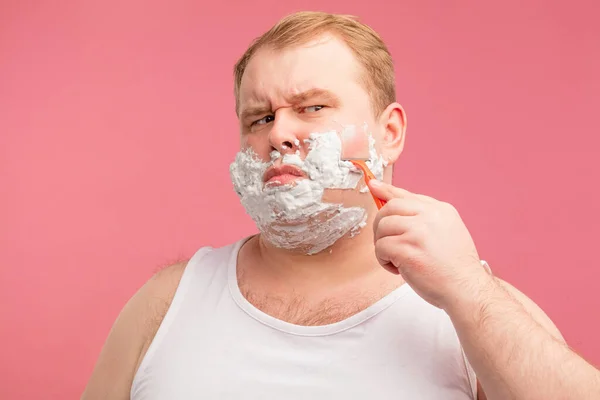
[(315, 233)]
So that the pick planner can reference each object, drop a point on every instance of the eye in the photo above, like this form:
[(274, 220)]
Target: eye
[(263, 120), (312, 108)]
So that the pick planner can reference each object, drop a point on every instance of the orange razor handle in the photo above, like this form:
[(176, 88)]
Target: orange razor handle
[(368, 176)]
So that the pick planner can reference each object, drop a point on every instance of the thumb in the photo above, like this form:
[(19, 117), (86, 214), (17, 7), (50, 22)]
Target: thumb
[(385, 191)]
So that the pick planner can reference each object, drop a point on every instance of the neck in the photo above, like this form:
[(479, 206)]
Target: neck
[(348, 260)]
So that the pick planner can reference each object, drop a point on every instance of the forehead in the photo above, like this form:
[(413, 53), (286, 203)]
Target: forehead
[(326, 63)]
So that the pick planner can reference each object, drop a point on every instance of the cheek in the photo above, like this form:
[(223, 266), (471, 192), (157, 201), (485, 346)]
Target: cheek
[(375, 131), (258, 143), (243, 143)]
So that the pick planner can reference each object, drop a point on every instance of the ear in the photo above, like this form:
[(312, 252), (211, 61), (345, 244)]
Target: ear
[(393, 122)]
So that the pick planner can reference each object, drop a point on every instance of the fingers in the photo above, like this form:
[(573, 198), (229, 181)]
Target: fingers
[(406, 207), (383, 251), (403, 206), (386, 191), (393, 225), (386, 250)]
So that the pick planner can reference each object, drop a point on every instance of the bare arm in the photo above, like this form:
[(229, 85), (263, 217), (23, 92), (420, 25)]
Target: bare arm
[(516, 351), (130, 336)]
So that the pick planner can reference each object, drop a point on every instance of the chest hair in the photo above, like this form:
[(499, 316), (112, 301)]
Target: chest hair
[(301, 310)]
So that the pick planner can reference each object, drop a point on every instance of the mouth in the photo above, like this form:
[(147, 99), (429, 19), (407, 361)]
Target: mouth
[(282, 175)]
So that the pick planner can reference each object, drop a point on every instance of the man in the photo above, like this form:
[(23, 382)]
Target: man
[(304, 309)]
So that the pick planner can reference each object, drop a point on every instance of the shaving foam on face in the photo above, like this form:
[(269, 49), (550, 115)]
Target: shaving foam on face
[(294, 216)]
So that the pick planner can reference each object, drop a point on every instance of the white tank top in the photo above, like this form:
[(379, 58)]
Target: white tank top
[(214, 344)]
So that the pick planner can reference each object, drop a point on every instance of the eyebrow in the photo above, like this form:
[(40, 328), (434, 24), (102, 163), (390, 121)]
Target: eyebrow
[(314, 93), (254, 111), (296, 98)]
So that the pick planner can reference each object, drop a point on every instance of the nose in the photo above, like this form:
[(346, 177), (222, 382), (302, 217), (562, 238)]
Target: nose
[(285, 133)]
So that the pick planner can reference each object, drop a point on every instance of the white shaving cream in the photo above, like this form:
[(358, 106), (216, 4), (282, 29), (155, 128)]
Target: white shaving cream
[(294, 216)]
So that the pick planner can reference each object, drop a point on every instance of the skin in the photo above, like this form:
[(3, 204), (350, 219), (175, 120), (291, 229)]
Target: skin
[(285, 96), (512, 345)]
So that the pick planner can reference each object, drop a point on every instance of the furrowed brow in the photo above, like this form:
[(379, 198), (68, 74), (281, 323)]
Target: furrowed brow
[(316, 93), (312, 94), (253, 112)]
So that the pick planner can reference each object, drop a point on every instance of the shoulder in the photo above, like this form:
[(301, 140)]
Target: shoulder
[(131, 335), (162, 285), (152, 301)]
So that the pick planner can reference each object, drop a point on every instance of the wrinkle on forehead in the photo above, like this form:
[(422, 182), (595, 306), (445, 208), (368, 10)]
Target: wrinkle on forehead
[(274, 75), (295, 97)]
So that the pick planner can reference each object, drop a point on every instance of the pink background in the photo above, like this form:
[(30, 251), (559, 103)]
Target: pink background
[(117, 127)]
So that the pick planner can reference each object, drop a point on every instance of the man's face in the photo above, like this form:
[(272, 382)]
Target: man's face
[(286, 95), (301, 193), (290, 93)]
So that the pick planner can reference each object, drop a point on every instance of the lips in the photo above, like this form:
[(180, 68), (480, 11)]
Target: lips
[(283, 174)]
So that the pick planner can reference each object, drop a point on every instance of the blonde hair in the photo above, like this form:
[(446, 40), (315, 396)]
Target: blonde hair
[(368, 48)]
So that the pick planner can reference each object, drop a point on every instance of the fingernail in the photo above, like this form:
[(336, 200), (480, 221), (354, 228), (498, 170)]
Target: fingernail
[(375, 182)]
